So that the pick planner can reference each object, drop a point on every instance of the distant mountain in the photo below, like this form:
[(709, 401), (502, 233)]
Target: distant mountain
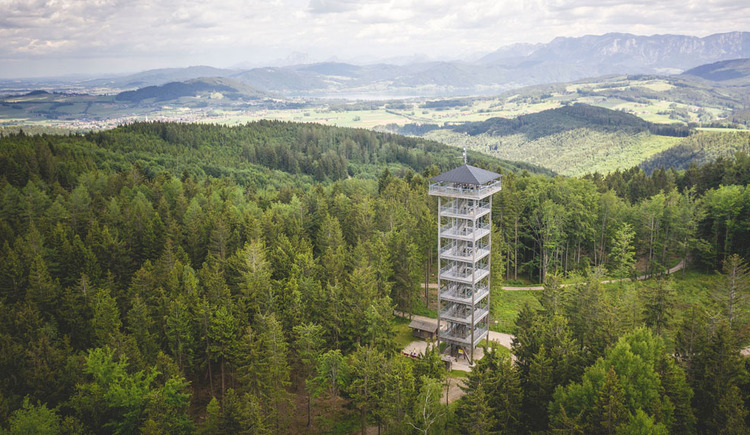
[(227, 88), (616, 53), (561, 60), (283, 80), (509, 54), (158, 77), (730, 72)]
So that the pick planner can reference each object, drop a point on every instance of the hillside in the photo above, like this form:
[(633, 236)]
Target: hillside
[(261, 152), (565, 118), (157, 77), (213, 87), (570, 140), (699, 149), (734, 72)]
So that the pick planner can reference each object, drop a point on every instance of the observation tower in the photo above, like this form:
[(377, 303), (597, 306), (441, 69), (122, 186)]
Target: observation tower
[(464, 244)]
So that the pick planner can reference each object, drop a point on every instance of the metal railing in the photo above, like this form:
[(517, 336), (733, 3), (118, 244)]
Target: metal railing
[(466, 211), (463, 230), (463, 337), (452, 273), (465, 192), (454, 294), (458, 314), (466, 253)]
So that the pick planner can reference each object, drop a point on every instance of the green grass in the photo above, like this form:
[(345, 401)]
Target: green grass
[(506, 304), (500, 349), (402, 334)]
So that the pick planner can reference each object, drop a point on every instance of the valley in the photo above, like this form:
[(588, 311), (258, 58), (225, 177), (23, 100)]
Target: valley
[(665, 101)]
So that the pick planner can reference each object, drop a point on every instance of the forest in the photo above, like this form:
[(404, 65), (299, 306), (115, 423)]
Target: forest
[(185, 278)]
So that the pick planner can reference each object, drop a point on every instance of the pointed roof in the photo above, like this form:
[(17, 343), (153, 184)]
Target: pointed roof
[(467, 174)]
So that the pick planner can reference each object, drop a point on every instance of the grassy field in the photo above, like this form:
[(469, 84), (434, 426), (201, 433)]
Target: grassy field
[(573, 152), (505, 306)]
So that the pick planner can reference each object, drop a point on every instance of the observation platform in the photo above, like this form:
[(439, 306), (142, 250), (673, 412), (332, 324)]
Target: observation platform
[(468, 182)]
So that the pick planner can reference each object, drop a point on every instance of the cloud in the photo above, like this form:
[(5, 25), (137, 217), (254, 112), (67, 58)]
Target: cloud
[(156, 33), (332, 6)]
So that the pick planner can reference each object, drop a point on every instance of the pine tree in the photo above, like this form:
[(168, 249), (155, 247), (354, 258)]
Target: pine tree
[(501, 385), (241, 415), (475, 414), (273, 372), (331, 372), (658, 303), (609, 411), (308, 345), (140, 325), (106, 322), (538, 388), (733, 291), (222, 333), (42, 290), (730, 414), (622, 254), (366, 380)]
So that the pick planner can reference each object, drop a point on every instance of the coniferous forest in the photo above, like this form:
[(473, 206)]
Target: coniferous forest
[(185, 278)]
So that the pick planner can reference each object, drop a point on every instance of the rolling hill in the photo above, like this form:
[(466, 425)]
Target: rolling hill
[(734, 72), (158, 77), (570, 140), (214, 87), (549, 122)]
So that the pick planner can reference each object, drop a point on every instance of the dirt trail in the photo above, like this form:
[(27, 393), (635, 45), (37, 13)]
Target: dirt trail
[(678, 267)]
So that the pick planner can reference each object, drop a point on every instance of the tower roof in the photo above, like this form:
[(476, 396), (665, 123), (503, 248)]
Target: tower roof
[(467, 174)]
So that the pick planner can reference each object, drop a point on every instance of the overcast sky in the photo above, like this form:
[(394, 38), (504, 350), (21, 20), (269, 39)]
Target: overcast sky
[(54, 37)]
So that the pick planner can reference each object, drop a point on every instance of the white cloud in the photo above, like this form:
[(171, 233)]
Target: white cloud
[(140, 34)]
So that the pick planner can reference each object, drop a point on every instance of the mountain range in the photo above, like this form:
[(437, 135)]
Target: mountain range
[(561, 60)]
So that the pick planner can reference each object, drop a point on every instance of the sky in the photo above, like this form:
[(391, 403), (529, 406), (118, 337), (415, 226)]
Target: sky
[(98, 37)]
